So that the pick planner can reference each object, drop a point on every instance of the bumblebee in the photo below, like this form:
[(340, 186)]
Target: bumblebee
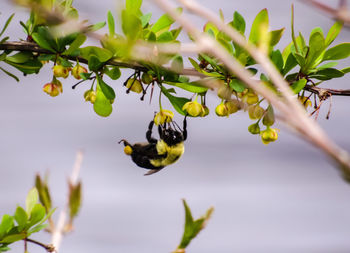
[(156, 154)]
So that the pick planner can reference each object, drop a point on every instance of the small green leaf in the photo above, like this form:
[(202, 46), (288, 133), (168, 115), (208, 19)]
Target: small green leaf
[(191, 87), (86, 76), (6, 24), (44, 194), (131, 25), (290, 63), (37, 214), (102, 105), (111, 23), (177, 102), (113, 72), (177, 64), (317, 46), (277, 59), (275, 36), (74, 200), (94, 63), (164, 22), (329, 72), (238, 22), (36, 229), (21, 218), (97, 26), (73, 48), (237, 85), (345, 70), (165, 37), (46, 57), (298, 85), (6, 225), (9, 74), (43, 41), (327, 65), (31, 200), (145, 19), (20, 57), (13, 238), (338, 52), (133, 6), (260, 21), (29, 67), (102, 54), (105, 88), (333, 33)]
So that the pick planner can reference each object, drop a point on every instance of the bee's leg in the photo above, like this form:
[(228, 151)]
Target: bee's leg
[(184, 131), (149, 137)]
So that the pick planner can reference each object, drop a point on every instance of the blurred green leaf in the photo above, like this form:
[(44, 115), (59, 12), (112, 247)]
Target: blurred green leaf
[(133, 6), (44, 194), (20, 57), (260, 21), (37, 214), (13, 238), (275, 36), (29, 67), (145, 19), (102, 54), (237, 85), (31, 200), (238, 22), (94, 63), (164, 22), (113, 72), (277, 59), (131, 25), (177, 64), (189, 86), (338, 52), (298, 85), (73, 48), (6, 24), (290, 63), (6, 225), (111, 23), (74, 200), (97, 26), (21, 218), (333, 33), (9, 74), (165, 37)]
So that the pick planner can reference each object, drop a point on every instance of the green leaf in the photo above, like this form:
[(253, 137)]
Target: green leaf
[(237, 85), (13, 238), (333, 33), (275, 36), (329, 72), (133, 6), (189, 86), (165, 37), (44, 194), (42, 42), (131, 25), (164, 22), (177, 64), (37, 214), (9, 74), (73, 48), (74, 200), (195, 64), (316, 48), (345, 70), (46, 57), (97, 26), (36, 229), (177, 102), (86, 76), (113, 72), (298, 85), (21, 218), (327, 65), (111, 23), (145, 19), (102, 105), (6, 225), (94, 63), (102, 54), (260, 21), (277, 59), (290, 63), (6, 24), (105, 88), (238, 22), (29, 67), (338, 52), (31, 200)]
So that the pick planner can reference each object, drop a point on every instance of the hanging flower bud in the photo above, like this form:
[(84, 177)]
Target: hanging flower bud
[(232, 106), (254, 128), (269, 135), (205, 111), (134, 85), (54, 88), (306, 102), (269, 117), (163, 116), (255, 112), (90, 95), (221, 110), (60, 71), (193, 108), (146, 78), (224, 92), (250, 98), (77, 70)]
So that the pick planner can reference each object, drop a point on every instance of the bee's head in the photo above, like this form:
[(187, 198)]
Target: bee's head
[(171, 137)]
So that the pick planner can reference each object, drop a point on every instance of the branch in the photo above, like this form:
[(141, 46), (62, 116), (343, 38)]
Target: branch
[(325, 92), (58, 232), (47, 247), (341, 13)]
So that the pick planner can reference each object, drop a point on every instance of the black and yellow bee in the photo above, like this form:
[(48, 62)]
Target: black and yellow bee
[(156, 154)]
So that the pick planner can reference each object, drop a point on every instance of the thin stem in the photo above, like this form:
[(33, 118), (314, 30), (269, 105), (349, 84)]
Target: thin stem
[(47, 247)]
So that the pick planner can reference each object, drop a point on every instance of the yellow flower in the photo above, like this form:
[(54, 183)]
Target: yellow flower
[(255, 112), (232, 106), (134, 85), (77, 70), (60, 71), (221, 110), (163, 116), (90, 95), (269, 135), (54, 88), (194, 109)]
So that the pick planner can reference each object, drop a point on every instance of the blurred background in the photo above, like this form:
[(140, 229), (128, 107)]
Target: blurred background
[(284, 197)]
